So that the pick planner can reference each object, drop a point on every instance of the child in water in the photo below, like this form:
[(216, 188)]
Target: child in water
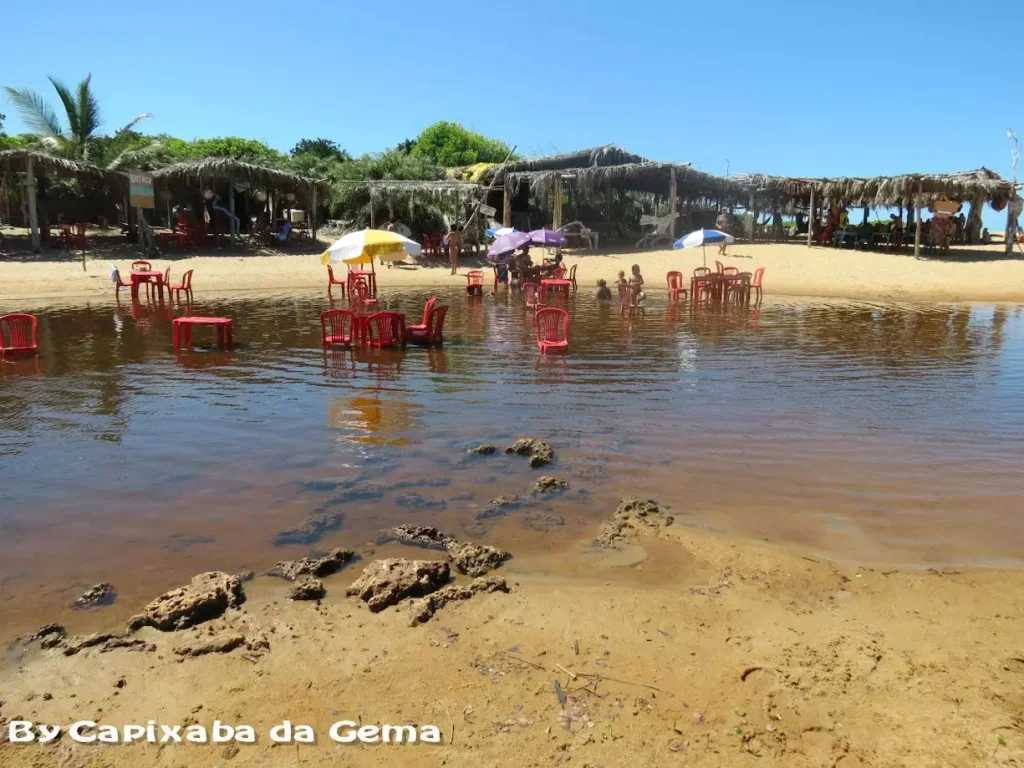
[(604, 293), (637, 281)]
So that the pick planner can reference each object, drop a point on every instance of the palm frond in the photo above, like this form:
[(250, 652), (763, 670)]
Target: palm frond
[(135, 121), (70, 106), (88, 109), (134, 157), (37, 114)]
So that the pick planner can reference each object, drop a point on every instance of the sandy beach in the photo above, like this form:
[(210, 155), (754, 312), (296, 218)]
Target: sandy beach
[(677, 646), (974, 274)]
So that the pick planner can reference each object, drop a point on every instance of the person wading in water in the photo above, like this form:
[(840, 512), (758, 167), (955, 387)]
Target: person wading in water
[(454, 246)]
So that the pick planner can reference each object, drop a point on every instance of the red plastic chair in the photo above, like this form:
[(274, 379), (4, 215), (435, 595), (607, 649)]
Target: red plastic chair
[(22, 334), (332, 280), (627, 301), (385, 329), (718, 267), (552, 326), (475, 282), (141, 266), (730, 270), (186, 285), (359, 293), (531, 292), (422, 327), (119, 284), (433, 332), (701, 285), (675, 286), (337, 327), (572, 277), (558, 274), (755, 284)]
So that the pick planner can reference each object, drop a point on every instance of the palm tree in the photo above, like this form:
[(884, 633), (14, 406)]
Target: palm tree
[(81, 137)]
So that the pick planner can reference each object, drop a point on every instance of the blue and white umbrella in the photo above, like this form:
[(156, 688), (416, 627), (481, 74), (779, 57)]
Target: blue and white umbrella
[(702, 237)]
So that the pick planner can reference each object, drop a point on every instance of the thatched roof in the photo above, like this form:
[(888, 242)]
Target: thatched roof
[(229, 169), (652, 178), (883, 191), (410, 186), (608, 154), (16, 160)]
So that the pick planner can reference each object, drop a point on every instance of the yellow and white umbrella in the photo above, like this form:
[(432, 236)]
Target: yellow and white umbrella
[(369, 244)]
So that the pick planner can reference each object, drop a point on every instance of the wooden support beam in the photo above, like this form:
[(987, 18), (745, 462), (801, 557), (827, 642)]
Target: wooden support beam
[(33, 213), (812, 218), (506, 206), (753, 218), (373, 215), (231, 207), (557, 207), (312, 214), (917, 226)]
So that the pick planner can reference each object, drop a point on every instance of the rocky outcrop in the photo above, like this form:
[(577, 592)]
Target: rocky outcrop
[(540, 453), (417, 535), (49, 635), (547, 484), (307, 588), (206, 597), (424, 608), (484, 449), (476, 559), (312, 529), (223, 642), (633, 515), (384, 583), (330, 563), (94, 597)]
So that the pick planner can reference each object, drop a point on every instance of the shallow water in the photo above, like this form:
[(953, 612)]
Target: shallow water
[(881, 433)]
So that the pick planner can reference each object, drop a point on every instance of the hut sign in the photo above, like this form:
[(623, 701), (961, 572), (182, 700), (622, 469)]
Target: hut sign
[(141, 190), (486, 210)]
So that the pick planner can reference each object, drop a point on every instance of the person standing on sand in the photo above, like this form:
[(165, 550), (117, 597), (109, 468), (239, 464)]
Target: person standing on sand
[(454, 246), (896, 231), (722, 225)]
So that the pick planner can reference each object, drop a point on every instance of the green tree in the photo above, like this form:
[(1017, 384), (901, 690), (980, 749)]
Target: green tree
[(247, 150), (79, 137), (325, 149), (449, 144)]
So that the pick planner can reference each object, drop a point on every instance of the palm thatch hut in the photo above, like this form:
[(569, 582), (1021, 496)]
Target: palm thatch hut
[(30, 164), (219, 172), (911, 191), (406, 190)]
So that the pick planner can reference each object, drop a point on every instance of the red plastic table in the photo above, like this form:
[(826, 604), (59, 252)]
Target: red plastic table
[(144, 276), (183, 330), (553, 284)]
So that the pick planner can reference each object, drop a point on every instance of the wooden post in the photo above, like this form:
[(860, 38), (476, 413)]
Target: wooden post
[(506, 206), (138, 227), (812, 218), (312, 214), (33, 214), (753, 219), (557, 213), (373, 216), (917, 225), (673, 201), (231, 208)]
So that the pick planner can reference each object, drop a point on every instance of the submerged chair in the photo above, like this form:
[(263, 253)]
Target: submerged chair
[(332, 280), (337, 327), (185, 286), (531, 291), (421, 327), (755, 284), (502, 274), (552, 326), (701, 285), (675, 286), (19, 335), (572, 277), (433, 332), (475, 282), (628, 305), (359, 294), (718, 267), (115, 275), (385, 329)]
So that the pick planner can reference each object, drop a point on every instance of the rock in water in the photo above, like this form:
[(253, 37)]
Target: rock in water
[(385, 582), (633, 515), (547, 484), (486, 449), (313, 566), (206, 597), (101, 594), (540, 453), (312, 529), (307, 588), (423, 609), (418, 535), (476, 559)]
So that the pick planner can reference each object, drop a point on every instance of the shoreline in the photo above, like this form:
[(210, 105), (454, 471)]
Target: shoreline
[(676, 644), (979, 274)]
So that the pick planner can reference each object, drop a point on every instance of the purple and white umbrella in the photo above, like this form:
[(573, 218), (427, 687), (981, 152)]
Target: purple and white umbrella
[(547, 238), (506, 245)]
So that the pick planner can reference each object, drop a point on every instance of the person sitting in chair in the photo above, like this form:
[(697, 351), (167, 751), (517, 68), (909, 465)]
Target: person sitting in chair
[(286, 230)]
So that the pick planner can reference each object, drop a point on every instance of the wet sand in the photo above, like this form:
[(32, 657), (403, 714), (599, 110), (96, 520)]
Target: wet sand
[(970, 274), (707, 651)]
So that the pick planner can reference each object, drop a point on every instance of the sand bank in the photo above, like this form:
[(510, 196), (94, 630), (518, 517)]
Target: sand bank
[(683, 647), (977, 274)]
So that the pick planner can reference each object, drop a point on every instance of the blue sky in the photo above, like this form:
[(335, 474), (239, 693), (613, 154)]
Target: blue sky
[(798, 88)]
